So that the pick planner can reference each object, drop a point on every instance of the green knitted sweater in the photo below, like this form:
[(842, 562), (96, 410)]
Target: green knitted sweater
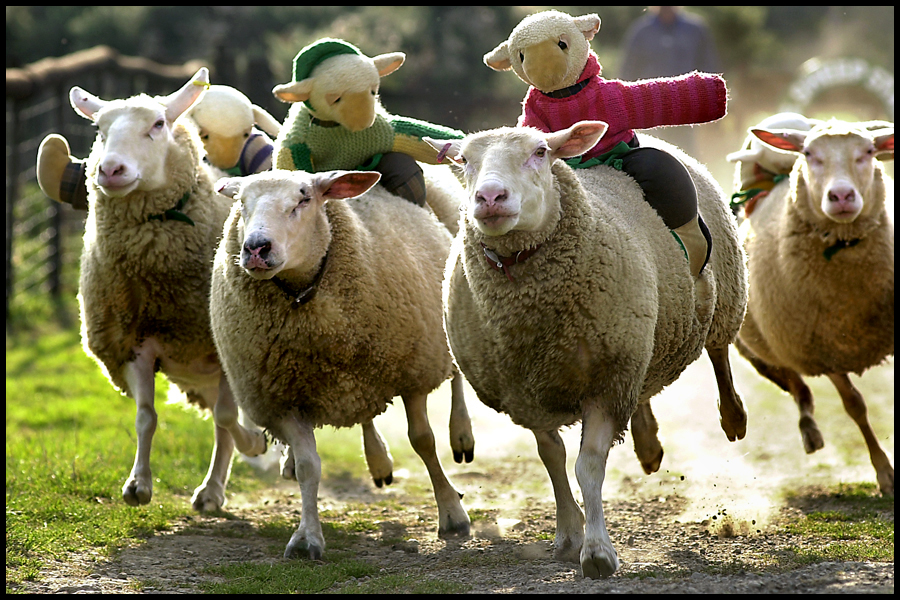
[(310, 145)]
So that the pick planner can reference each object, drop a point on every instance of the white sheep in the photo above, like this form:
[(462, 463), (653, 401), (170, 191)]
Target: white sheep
[(323, 310), (566, 298), (152, 227), (820, 252)]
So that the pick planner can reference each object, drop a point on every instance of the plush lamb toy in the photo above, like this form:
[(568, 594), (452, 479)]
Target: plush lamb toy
[(550, 51), (337, 122), (225, 120)]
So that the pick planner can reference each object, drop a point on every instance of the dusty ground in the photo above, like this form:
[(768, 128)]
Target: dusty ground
[(708, 522)]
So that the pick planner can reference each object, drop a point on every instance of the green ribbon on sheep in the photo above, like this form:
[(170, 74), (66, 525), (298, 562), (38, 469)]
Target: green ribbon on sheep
[(611, 159), (175, 214)]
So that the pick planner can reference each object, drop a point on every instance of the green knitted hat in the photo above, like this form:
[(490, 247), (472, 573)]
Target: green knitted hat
[(307, 59)]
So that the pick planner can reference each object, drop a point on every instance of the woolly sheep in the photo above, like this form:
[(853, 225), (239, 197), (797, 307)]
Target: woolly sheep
[(820, 252), (566, 298), (152, 227), (323, 310)]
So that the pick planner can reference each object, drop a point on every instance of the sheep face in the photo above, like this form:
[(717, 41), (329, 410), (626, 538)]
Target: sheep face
[(837, 165), (283, 221), (343, 88), (507, 173), (134, 135), (547, 50)]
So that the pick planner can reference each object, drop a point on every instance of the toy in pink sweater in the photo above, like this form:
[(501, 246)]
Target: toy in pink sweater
[(550, 51)]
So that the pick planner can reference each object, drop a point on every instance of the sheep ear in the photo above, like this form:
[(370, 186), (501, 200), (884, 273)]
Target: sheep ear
[(589, 25), (782, 139), (178, 102), (388, 63), (85, 103), (265, 121), (345, 184), (884, 143), (445, 148), (294, 92), (577, 139), (229, 186), (498, 58)]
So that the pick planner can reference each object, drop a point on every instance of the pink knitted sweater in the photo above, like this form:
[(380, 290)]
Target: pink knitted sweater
[(625, 105)]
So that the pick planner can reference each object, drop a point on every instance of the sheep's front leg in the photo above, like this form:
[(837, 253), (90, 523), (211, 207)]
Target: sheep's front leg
[(733, 417), (598, 557), (250, 442), (646, 443), (452, 517), (855, 406), (301, 442), (139, 375), (378, 457), (569, 518), (462, 442)]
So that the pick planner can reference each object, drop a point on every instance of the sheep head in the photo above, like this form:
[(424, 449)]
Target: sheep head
[(507, 173), (547, 50), (134, 135), (837, 165), (225, 119), (343, 87), (282, 223), (772, 159)]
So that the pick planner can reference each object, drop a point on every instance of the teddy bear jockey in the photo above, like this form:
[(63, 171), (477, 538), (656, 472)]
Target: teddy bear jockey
[(550, 51), (225, 120), (337, 122)]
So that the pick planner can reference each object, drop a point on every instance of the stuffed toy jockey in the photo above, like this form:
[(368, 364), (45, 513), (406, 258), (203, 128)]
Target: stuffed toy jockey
[(551, 52), (225, 122), (337, 122)]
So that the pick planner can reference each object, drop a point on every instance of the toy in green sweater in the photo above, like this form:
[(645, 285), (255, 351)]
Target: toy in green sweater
[(337, 122)]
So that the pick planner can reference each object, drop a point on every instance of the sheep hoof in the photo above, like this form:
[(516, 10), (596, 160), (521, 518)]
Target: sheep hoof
[(454, 529), (385, 481), (812, 437), (886, 483), (599, 566), (300, 545), (468, 455), (735, 431), (652, 466), (135, 494), (568, 550)]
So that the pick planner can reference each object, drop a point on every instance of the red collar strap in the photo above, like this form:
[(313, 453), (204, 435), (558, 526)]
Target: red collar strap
[(503, 263)]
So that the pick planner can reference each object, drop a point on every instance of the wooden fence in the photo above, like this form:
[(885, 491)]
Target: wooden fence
[(43, 237)]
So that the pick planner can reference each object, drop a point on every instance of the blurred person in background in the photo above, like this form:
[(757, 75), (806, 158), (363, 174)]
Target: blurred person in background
[(668, 42)]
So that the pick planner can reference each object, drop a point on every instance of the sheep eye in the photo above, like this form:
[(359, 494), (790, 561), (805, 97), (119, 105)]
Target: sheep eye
[(204, 137), (462, 160), (521, 57), (540, 152), (159, 124), (562, 45)]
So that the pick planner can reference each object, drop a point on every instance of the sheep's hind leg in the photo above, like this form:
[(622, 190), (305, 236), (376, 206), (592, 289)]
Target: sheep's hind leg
[(646, 443), (733, 416), (139, 374), (598, 556), (301, 442), (855, 406), (378, 457), (452, 517), (569, 518), (462, 442)]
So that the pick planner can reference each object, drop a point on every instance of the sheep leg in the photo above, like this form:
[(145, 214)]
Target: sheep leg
[(301, 441), (378, 457), (598, 556), (569, 518), (855, 406), (251, 442), (452, 517), (139, 374), (646, 443), (733, 417), (462, 442), (791, 382)]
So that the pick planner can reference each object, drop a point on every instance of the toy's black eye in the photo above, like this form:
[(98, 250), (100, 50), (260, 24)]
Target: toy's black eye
[(462, 160), (521, 57), (562, 45)]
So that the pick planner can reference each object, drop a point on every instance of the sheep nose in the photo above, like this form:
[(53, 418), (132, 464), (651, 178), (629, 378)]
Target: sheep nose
[(841, 195), (257, 245), (113, 170), (491, 192)]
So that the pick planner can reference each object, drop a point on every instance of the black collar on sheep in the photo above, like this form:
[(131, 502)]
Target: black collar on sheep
[(503, 263), (306, 294)]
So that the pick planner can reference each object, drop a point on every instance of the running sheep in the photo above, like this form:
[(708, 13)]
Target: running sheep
[(152, 228), (820, 250), (567, 299), (323, 310)]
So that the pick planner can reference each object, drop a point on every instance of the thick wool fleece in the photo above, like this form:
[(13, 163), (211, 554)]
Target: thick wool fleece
[(372, 331), (626, 106), (141, 277), (813, 314), (605, 309)]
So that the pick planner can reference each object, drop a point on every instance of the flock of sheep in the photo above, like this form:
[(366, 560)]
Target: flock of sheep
[(313, 299)]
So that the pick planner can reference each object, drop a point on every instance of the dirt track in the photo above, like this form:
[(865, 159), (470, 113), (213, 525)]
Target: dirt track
[(708, 522)]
